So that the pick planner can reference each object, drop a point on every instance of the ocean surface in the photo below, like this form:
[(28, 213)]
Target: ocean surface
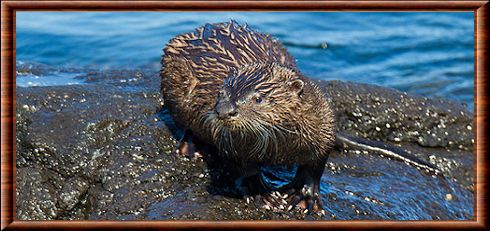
[(425, 53)]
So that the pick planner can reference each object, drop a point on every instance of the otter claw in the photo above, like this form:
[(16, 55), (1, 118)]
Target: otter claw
[(188, 149), (307, 200), (267, 201), (322, 212)]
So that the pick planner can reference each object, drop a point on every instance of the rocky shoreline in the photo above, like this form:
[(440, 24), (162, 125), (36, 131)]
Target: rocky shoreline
[(103, 151)]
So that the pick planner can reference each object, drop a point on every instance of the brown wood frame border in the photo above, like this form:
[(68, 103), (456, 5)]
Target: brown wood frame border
[(8, 9)]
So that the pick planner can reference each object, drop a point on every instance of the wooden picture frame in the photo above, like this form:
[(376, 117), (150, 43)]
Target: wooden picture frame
[(8, 119)]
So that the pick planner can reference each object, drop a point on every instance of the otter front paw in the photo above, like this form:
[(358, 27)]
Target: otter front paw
[(255, 190), (271, 201), (307, 198), (188, 149)]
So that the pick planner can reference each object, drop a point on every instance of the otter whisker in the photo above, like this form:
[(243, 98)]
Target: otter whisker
[(205, 118), (265, 136), (260, 139)]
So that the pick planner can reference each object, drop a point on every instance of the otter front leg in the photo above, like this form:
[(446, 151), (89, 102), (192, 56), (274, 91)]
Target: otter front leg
[(305, 187)]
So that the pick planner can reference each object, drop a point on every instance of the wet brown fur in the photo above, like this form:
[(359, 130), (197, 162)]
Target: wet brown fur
[(293, 122)]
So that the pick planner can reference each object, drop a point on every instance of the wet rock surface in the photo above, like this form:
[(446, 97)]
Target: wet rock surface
[(104, 151)]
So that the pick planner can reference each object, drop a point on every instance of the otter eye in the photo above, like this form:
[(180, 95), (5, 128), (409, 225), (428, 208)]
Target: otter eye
[(258, 99)]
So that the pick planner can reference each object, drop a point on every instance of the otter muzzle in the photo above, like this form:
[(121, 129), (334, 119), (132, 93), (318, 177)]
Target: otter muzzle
[(225, 110)]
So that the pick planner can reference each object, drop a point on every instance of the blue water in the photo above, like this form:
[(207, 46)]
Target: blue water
[(429, 54)]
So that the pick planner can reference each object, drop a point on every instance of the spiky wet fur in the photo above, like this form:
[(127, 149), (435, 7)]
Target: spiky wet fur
[(288, 127)]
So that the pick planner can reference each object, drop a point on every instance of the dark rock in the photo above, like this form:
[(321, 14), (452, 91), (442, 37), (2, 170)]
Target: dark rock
[(102, 151), (390, 115)]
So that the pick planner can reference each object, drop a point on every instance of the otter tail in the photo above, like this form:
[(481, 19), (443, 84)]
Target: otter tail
[(344, 140)]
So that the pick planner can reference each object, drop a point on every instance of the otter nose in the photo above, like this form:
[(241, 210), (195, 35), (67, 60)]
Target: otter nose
[(225, 110)]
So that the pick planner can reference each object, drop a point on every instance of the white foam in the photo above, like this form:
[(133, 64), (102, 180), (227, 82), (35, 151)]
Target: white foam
[(51, 79)]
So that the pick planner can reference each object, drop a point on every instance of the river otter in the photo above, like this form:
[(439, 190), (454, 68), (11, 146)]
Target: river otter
[(240, 91)]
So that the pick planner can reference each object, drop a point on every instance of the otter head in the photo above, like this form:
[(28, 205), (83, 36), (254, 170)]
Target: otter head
[(256, 105)]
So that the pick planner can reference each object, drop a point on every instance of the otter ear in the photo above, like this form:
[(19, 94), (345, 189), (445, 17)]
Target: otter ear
[(297, 85)]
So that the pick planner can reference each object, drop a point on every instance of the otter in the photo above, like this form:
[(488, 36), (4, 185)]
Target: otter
[(241, 92)]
